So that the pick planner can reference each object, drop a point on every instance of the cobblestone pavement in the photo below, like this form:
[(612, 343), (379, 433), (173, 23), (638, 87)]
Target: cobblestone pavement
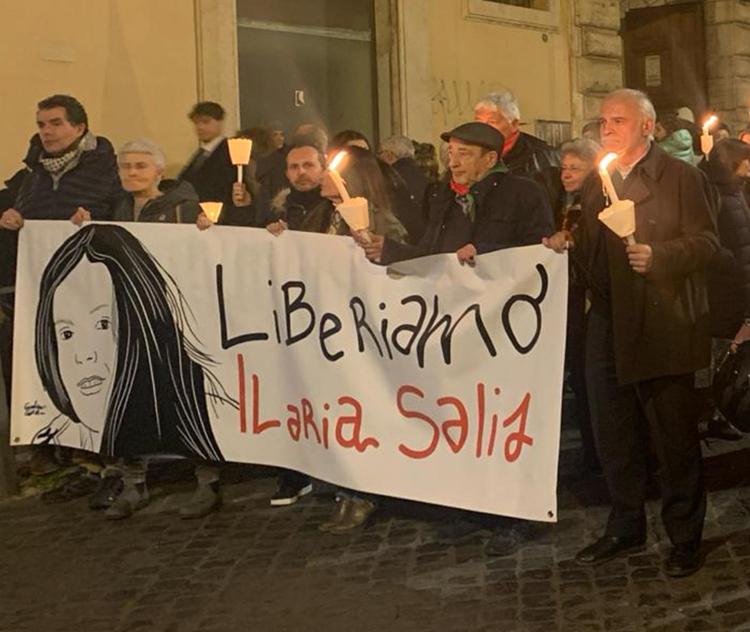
[(251, 567)]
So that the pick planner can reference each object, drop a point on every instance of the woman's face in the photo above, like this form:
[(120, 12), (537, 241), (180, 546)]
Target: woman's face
[(138, 172), (573, 172), (743, 170), (83, 310)]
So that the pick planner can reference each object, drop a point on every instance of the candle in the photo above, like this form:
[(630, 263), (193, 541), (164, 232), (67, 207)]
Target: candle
[(239, 152), (212, 210), (336, 177), (609, 187), (707, 141)]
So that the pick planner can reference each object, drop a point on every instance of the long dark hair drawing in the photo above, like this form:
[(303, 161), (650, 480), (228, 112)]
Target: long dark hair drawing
[(157, 396)]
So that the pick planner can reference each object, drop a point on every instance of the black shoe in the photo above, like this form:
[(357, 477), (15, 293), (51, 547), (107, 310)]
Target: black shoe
[(109, 488), (684, 560), (607, 548), (719, 428), (290, 491)]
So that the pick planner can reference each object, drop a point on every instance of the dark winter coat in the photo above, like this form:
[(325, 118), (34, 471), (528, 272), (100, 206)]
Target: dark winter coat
[(178, 204), (660, 319), (293, 206), (90, 181), (535, 159), (213, 177), (405, 198), (510, 211), (9, 238), (729, 274)]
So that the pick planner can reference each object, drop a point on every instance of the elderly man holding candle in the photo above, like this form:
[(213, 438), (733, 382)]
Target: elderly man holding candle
[(647, 331)]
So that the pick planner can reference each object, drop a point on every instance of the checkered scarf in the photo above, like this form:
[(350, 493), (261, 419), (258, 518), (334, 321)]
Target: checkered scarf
[(55, 164)]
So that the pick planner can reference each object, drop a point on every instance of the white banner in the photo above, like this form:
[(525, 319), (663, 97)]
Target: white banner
[(431, 381)]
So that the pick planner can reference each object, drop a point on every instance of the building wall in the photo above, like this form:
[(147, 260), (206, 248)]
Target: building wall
[(132, 63), (453, 59)]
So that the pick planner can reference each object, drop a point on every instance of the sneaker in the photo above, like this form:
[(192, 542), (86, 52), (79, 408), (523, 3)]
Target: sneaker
[(133, 498), (290, 491), (109, 488), (205, 499)]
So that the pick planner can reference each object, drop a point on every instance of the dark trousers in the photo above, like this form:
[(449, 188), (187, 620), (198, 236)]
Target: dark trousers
[(664, 408), (6, 338)]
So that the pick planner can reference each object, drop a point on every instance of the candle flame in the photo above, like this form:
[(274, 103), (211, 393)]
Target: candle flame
[(605, 162), (710, 122), (336, 161)]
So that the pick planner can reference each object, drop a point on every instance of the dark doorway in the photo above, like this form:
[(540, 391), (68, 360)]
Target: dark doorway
[(665, 55), (310, 61)]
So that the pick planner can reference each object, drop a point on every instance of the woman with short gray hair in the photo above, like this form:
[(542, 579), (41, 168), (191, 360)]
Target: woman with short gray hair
[(148, 197)]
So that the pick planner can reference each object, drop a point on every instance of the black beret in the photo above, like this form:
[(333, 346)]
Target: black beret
[(476, 133)]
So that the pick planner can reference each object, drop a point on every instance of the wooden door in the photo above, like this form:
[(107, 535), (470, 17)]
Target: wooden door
[(665, 55)]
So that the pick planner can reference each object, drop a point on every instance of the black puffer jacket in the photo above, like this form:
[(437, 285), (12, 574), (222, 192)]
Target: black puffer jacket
[(178, 204), (533, 158), (9, 238), (729, 274), (90, 181)]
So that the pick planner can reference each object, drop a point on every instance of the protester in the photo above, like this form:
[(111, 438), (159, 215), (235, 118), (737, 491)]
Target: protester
[(149, 197), (523, 154), (405, 206), (267, 165), (210, 170), (398, 152), (675, 138), (364, 179), (578, 162), (72, 174), (425, 155), (278, 138), (722, 131), (481, 209), (729, 275), (305, 164), (647, 333)]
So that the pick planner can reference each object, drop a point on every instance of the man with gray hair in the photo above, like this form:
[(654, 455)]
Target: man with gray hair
[(523, 154), (648, 332), (398, 152)]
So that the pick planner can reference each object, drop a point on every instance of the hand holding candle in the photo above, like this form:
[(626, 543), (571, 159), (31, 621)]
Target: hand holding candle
[(338, 181), (707, 141), (355, 212), (239, 152), (212, 210), (619, 216)]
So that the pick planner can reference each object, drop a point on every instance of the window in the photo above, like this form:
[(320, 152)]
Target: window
[(533, 14)]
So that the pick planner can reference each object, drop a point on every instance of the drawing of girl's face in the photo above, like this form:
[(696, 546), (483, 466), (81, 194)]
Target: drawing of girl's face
[(83, 310)]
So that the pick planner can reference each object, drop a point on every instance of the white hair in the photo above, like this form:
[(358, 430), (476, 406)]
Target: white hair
[(582, 148), (502, 101), (640, 98), (399, 146), (145, 146)]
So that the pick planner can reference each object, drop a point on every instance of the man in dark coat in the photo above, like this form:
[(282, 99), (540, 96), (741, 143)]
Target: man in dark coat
[(305, 165), (480, 209), (210, 170), (648, 332), (71, 174), (523, 154)]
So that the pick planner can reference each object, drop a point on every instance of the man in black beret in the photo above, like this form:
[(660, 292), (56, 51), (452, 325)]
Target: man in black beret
[(481, 207)]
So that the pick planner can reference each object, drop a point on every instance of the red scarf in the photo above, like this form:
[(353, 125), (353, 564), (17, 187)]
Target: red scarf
[(510, 142), (459, 189)]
